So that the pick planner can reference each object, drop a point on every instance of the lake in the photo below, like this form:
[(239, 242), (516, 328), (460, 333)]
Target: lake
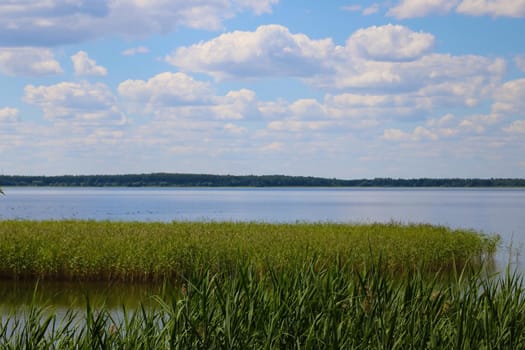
[(500, 211)]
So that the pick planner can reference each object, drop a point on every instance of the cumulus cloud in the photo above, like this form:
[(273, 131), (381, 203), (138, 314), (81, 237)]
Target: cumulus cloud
[(420, 8), (8, 115), (166, 89), (178, 95), (443, 121), (28, 61), (237, 105), (351, 111), (379, 58), (418, 134), (272, 147), (517, 126), (370, 10), (351, 105), (269, 51), (55, 22), (429, 72), (367, 11), (519, 60), (510, 98), (435, 129), (389, 43), (299, 125), (78, 103), (351, 8), (84, 65), (496, 8), (479, 123), (135, 51), (234, 122), (234, 129), (343, 112), (506, 115)]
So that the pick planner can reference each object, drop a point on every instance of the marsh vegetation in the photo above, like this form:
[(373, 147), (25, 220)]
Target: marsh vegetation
[(313, 306), (257, 285), (135, 251)]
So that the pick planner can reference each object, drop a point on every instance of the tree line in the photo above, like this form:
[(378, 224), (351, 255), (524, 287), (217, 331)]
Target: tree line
[(206, 180)]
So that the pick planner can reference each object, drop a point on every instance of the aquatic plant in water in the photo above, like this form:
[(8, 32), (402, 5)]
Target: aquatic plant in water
[(135, 251), (312, 306)]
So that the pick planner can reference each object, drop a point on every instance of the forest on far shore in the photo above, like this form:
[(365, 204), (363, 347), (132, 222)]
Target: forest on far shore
[(204, 180)]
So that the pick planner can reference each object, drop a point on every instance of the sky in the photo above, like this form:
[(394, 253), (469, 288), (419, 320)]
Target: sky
[(346, 89)]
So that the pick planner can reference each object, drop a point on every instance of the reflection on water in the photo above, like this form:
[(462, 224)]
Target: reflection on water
[(67, 294)]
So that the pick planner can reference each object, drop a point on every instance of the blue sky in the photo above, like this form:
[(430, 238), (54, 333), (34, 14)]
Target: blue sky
[(347, 89)]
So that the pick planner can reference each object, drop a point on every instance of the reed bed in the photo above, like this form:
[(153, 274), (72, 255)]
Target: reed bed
[(134, 251), (310, 307)]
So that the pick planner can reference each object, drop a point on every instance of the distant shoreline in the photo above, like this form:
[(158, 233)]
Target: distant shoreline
[(208, 180)]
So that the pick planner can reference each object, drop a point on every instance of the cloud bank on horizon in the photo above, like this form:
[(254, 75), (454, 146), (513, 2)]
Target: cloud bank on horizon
[(409, 88)]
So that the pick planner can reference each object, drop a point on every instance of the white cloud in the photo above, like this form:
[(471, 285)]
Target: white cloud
[(8, 114), (234, 129), (517, 126), (423, 133), (510, 98), (135, 51), (367, 11), (269, 51), (237, 105), (418, 134), (351, 111), (421, 8), (299, 125), (166, 89), (54, 22), (479, 123), (339, 113), (350, 105), (28, 61), (446, 127), (312, 114), (443, 121), (76, 103), (81, 133), (273, 147), (178, 95), (372, 9), (389, 43), (388, 58), (507, 8), (519, 60), (351, 8), (395, 135), (86, 66), (508, 103), (430, 72)]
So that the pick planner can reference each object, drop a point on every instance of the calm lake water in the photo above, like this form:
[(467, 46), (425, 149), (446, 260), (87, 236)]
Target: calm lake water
[(500, 211)]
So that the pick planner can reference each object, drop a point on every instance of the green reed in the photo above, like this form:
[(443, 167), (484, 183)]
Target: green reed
[(133, 251), (314, 306)]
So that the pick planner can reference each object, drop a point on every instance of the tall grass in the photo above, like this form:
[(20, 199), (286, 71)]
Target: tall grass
[(92, 250), (314, 306)]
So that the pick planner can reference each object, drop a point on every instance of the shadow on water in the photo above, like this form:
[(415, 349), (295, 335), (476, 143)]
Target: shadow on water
[(73, 295)]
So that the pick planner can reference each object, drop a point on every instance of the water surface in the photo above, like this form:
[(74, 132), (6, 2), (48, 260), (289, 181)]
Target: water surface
[(489, 210)]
